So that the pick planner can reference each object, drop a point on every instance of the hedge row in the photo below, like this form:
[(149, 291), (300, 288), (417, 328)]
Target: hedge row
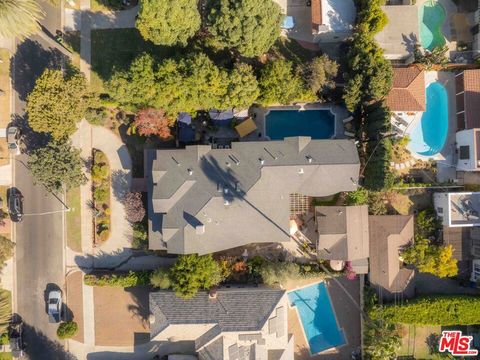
[(435, 310), (122, 280)]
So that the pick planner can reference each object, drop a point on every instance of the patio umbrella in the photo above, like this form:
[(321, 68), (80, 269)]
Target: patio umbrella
[(185, 118)]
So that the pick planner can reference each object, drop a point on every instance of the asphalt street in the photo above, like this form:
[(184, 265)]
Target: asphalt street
[(39, 238)]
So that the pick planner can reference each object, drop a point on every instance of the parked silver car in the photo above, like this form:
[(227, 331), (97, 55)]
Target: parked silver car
[(54, 306), (13, 140)]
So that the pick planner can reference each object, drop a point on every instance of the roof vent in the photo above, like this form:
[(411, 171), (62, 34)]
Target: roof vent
[(261, 161), (309, 158), (300, 172), (226, 202), (200, 229), (228, 163), (190, 172), (151, 319)]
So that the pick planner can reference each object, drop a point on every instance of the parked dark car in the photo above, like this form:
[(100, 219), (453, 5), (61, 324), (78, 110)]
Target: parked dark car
[(16, 343), (15, 204)]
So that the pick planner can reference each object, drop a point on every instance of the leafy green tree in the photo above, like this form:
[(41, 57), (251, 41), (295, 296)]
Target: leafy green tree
[(382, 341), (319, 73), (280, 84), (438, 56), (243, 88), (57, 103), (433, 259), (56, 165), (135, 87), (192, 272), (369, 76), (6, 250), (160, 278), (67, 329), (370, 13), (19, 18), (166, 22), (249, 26), (425, 224), (357, 197)]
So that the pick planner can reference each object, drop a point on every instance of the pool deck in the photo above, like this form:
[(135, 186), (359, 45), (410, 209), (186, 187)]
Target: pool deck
[(346, 309), (339, 111), (444, 159)]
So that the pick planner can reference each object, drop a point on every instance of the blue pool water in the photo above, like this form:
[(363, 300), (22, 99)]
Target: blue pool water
[(318, 124), (317, 316), (430, 134)]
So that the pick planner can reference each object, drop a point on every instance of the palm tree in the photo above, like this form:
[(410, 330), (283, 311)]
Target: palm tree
[(19, 18)]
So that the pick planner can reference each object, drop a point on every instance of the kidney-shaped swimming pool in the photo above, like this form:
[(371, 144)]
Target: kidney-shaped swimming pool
[(429, 136)]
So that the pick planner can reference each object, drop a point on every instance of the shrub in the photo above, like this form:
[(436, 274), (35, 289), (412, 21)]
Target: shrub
[(66, 330), (120, 279), (101, 193), (161, 278), (153, 122), (134, 209), (4, 339), (6, 250), (191, 273), (99, 157), (140, 236), (103, 233), (357, 197), (100, 172), (279, 272), (96, 116), (426, 223), (440, 310), (254, 265)]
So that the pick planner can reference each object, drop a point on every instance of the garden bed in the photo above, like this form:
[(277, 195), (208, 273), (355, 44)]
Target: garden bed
[(101, 185)]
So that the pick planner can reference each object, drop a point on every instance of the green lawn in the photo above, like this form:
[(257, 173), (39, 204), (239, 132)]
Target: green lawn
[(414, 340), (74, 231), (116, 49), (291, 50), (72, 43)]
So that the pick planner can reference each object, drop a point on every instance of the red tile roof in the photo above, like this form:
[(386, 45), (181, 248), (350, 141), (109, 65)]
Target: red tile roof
[(316, 7), (471, 86), (408, 90)]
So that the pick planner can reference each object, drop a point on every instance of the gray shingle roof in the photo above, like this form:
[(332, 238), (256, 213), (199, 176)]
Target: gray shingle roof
[(342, 232), (232, 310), (239, 195)]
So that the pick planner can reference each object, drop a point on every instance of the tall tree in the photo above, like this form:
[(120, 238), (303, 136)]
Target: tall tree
[(56, 165), (191, 273), (249, 26), (281, 84), (57, 103), (242, 88), (319, 73), (19, 18), (437, 260), (153, 122), (166, 22), (369, 76)]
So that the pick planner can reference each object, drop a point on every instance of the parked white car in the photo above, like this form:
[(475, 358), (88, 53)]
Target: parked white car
[(54, 306)]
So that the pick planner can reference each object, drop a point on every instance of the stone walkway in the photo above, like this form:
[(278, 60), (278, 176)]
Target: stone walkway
[(117, 248)]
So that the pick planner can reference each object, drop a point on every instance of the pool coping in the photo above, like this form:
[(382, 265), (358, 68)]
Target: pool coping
[(294, 308)]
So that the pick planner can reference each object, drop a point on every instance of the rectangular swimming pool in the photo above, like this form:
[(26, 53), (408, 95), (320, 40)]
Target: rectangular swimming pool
[(318, 124), (317, 316)]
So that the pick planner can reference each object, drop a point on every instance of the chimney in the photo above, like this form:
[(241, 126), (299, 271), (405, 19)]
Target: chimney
[(200, 229), (212, 294)]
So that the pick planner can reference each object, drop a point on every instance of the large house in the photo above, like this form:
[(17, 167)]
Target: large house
[(460, 216), (407, 98), (204, 200), (401, 33), (467, 85), (233, 324), (388, 235)]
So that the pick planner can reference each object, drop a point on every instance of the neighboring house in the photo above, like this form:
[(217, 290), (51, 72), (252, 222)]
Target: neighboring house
[(343, 235), (460, 217), (401, 33), (407, 98), (468, 150), (203, 200), (230, 324), (388, 235), (332, 20), (467, 85)]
